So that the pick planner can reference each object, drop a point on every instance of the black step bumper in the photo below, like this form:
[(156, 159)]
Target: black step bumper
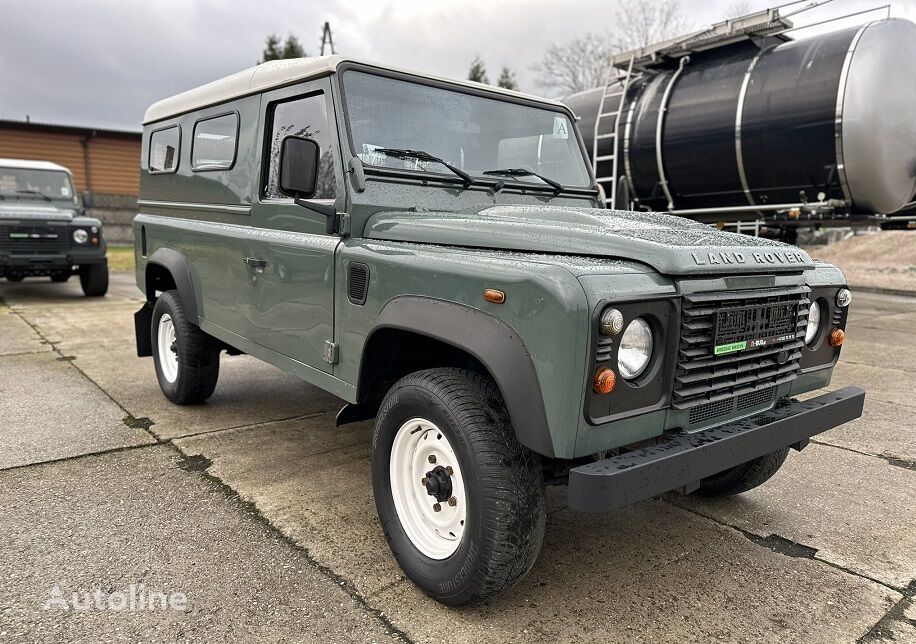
[(685, 459)]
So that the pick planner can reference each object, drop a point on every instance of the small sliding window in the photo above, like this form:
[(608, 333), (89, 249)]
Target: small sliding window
[(215, 143), (164, 145)]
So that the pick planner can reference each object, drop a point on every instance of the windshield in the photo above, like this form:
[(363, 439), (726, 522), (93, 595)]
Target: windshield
[(24, 183), (473, 133)]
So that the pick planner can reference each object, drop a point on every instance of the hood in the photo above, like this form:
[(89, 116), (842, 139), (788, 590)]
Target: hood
[(30, 210), (671, 245)]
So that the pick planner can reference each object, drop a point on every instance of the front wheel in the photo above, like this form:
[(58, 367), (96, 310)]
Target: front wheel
[(94, 279), (461, 501), (744, 477), (186, 358)]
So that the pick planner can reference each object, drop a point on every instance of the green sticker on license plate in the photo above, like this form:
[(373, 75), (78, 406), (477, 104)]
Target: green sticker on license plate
[(731, 347)]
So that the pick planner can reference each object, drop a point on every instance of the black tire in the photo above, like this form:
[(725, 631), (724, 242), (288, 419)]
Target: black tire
[(14, 278), (94, 279), (504, 483), (744, 477), (58, 278), (198, 355)]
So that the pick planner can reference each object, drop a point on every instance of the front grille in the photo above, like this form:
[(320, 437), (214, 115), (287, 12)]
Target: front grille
[(712, 410), (703, 377), (34, 240)]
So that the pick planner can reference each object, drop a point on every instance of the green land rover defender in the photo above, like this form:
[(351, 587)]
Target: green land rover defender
[(436, 254), (43, 228)]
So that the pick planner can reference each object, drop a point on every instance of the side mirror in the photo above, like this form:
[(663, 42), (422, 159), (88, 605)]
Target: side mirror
[(299, 167), (299, 177), (87, 199)]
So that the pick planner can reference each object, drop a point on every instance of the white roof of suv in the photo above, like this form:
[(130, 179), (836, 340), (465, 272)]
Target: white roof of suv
[(25, 164), (276, 73)]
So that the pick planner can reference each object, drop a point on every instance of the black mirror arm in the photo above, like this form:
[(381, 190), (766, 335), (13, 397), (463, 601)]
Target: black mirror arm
[(328, 211)]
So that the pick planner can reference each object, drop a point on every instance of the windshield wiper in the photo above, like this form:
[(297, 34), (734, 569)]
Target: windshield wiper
[(420, 155), (522, 172), (37, 193)]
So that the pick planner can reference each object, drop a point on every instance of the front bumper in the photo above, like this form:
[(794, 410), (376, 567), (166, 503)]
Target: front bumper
[(38, 264), (684, 459)]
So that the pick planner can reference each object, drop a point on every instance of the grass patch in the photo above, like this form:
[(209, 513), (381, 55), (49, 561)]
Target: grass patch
[(121, 259)]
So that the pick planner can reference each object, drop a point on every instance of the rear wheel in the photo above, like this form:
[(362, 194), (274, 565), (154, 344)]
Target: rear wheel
[(186, 358), (60, 277), (461, 501), (744, 477), (94, 279), (15, 278)]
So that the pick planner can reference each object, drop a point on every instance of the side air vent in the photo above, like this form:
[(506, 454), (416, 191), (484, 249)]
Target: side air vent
[(358, 283)]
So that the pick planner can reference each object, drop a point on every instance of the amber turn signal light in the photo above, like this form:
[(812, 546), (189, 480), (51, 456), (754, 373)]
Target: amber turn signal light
[(494, 295), (605, 379), (837, 337)]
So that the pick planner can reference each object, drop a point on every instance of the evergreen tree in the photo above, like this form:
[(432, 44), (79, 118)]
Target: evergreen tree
[(478, 71), (272, 49), (292, 48), (275, 49), (507, 79)]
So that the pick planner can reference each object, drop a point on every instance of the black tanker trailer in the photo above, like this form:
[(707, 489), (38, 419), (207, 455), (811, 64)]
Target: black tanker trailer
[(744, 123)]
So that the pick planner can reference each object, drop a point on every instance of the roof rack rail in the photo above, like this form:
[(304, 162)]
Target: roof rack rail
[(760, 24)]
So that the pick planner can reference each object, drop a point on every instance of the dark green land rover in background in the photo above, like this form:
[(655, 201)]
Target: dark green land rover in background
[(43, 231), (436, 254)]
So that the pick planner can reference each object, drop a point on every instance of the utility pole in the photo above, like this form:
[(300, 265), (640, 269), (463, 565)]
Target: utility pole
[(326, 39)]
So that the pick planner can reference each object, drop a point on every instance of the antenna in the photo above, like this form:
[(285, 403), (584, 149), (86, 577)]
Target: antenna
[(327, 40)]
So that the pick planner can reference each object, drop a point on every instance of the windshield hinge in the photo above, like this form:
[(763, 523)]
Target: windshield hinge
[(330, 352)]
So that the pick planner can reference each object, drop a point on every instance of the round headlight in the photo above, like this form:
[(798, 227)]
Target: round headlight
[(80, 236), (843, 297), (635, 349), (611, 322), (814, 322)]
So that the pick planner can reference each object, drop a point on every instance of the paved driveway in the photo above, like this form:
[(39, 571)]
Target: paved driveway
[(260, 512)]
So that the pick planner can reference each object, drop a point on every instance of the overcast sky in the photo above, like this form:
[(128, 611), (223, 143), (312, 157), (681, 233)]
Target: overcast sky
[(102, 62)]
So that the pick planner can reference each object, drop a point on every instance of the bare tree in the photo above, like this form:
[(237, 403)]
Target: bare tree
[(576, 65), (641, 23), (738, 9), (582, 62)]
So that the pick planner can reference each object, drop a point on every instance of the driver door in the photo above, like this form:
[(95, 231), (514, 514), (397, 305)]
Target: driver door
[(290, 262)]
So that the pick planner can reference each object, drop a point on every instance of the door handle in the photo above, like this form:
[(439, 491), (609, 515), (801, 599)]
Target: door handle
[(255, 263)]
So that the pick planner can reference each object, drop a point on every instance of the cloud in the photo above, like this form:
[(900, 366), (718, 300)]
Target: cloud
[(102, 62)]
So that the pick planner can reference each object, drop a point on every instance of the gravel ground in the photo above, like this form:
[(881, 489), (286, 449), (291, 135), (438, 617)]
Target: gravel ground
[(883, 260)]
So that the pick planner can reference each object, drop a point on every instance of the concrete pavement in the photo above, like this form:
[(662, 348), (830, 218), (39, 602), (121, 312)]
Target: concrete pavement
[(825, 552)]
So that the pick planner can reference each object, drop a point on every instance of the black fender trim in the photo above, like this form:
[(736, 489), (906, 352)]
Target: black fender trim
[(491, 341), (177, 265)]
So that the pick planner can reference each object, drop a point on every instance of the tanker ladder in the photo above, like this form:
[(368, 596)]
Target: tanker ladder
[(614, 87)]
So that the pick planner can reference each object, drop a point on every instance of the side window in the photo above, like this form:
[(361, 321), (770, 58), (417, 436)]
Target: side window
[(307, 117), (163, 150), (214, 142)]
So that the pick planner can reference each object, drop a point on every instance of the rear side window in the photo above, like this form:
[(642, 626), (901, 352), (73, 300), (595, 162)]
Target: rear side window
[(214, 142), (163, 150), (306, 117)]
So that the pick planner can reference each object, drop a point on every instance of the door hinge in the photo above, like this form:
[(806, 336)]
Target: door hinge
[(330, 352), (343, 224)]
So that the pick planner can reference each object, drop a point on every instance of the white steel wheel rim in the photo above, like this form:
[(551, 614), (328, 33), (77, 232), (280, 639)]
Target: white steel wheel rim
[(436, 534), (168, 359)]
